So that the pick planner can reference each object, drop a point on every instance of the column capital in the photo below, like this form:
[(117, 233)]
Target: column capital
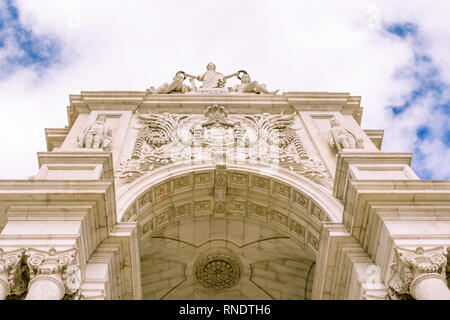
[(410, 264), (58, 265), (11, 271)]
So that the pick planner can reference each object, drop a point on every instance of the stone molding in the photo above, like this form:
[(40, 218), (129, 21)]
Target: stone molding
[(344, 271)]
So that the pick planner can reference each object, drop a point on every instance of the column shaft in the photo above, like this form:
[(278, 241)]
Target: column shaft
[(430, 286)]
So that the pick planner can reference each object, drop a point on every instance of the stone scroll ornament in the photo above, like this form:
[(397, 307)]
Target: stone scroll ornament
[(96, 135), (341, 138), (217, 137)]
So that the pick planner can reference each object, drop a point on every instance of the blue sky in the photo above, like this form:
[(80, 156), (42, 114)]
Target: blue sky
[(393, 55), (21, 46), (428, 83)]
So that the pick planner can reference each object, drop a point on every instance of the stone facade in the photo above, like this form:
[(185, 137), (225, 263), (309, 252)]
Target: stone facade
[(222, 194)]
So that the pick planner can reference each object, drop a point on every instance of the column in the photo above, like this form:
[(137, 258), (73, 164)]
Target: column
[(10, 281), (420, 273), (49, 274)]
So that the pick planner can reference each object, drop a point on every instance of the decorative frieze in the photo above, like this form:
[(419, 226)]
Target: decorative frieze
[(202, 206), (221, 179), (282, 190), (161, 218), (219, 207), (300, 199), (238, 206), (183, 210), (239, 178), (146, 228), (217, 137), (280, 218), (131, 212), (313, 241), (259, 211), (162, 190), (298, 229), (202, 178), (181, 182), (261, 183), (145, 199), (317, 212)]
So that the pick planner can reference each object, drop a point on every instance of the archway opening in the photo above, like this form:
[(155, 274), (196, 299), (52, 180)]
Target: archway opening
[(227, 233)]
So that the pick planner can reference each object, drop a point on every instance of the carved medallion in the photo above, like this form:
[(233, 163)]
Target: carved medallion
[(218, 271)]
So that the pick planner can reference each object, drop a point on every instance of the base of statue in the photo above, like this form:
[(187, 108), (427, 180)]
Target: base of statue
[(219, 91)]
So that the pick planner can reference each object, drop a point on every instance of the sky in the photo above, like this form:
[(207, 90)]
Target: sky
[(395, 54)]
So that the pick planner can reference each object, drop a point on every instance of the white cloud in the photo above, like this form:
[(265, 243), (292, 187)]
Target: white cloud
[(290, 45)]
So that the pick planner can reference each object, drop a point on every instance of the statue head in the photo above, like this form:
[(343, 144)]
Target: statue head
[(211, 66), (180, 75), (245, 78), (334, 122), (101, 117)]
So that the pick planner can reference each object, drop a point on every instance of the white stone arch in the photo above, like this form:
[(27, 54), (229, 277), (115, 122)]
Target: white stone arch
[(330, 208), (128, 193), (144, 202)]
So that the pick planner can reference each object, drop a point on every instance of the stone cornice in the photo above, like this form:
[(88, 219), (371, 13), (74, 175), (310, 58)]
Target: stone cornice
[(65, 199), (376, 136), (326, 101), (349, 157), (363, 195), (288, 102), (55, 137), (80, 157)]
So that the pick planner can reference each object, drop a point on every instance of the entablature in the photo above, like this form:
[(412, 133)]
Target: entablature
[(243, 103)]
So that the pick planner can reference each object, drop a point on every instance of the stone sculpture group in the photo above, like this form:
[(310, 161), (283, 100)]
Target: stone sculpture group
[(211, 79)]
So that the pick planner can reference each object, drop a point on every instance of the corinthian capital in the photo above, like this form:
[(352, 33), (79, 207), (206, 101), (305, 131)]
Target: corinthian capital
[(11, 271), (53, 263), (409, 264)]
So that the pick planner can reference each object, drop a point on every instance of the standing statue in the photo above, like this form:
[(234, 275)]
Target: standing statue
[(249, 86), (175, 86), (97, 135), (342, 138), (211, 78)]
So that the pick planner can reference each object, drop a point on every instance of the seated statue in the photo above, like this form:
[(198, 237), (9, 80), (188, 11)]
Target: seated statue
[(211, 78), (175, 86), (342, 138), (97, 135), (248, 86)]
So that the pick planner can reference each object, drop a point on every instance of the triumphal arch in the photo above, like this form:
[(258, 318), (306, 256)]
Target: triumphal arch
[(196, 189)]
